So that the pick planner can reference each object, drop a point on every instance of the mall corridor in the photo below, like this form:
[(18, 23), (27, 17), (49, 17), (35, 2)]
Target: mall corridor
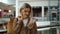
[(45, 12)]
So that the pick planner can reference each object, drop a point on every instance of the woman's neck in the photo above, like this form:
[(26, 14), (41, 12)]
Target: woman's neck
[(25, 18)]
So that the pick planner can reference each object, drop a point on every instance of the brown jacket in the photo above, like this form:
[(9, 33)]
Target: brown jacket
[(20, 29)]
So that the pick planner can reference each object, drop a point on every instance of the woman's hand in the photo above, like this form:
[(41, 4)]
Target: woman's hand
[(19, 19)]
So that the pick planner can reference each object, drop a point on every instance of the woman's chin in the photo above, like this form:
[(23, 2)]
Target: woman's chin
[(26, 17)]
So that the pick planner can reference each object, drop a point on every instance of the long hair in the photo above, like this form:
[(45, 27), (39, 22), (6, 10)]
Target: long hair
[(26, 5)]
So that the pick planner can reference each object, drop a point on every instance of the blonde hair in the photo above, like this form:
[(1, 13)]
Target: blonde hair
[(25, 5)]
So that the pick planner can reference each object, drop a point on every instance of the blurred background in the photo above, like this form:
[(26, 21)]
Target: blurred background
[(46, 13)]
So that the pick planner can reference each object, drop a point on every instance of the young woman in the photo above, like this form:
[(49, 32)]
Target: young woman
[(25, 24)]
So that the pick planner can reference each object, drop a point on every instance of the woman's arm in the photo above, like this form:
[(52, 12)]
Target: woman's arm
[(34, 29), (32, 25), (16, 25)]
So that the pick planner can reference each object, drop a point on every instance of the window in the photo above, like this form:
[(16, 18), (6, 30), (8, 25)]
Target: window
[(37, 11), (45, 11)]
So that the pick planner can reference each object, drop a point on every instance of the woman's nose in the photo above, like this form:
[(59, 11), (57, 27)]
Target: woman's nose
[(27, 13)]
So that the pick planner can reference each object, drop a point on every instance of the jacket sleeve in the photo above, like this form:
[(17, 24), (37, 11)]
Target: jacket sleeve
[(16, 26), (34, 29)]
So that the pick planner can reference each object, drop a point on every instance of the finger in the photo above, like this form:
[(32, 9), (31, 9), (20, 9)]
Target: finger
[(19, 18)]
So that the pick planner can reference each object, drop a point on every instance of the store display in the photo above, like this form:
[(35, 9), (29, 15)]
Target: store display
[(37, 11), (5, 25), (5, 16), (45, 11), (0, 14)]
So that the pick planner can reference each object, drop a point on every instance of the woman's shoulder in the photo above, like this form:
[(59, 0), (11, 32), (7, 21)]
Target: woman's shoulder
[(32, 20)]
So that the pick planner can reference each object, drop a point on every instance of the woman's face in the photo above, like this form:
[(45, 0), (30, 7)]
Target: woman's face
[(25, 12)]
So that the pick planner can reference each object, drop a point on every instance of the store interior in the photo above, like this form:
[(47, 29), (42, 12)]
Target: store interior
[(46, 13)]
